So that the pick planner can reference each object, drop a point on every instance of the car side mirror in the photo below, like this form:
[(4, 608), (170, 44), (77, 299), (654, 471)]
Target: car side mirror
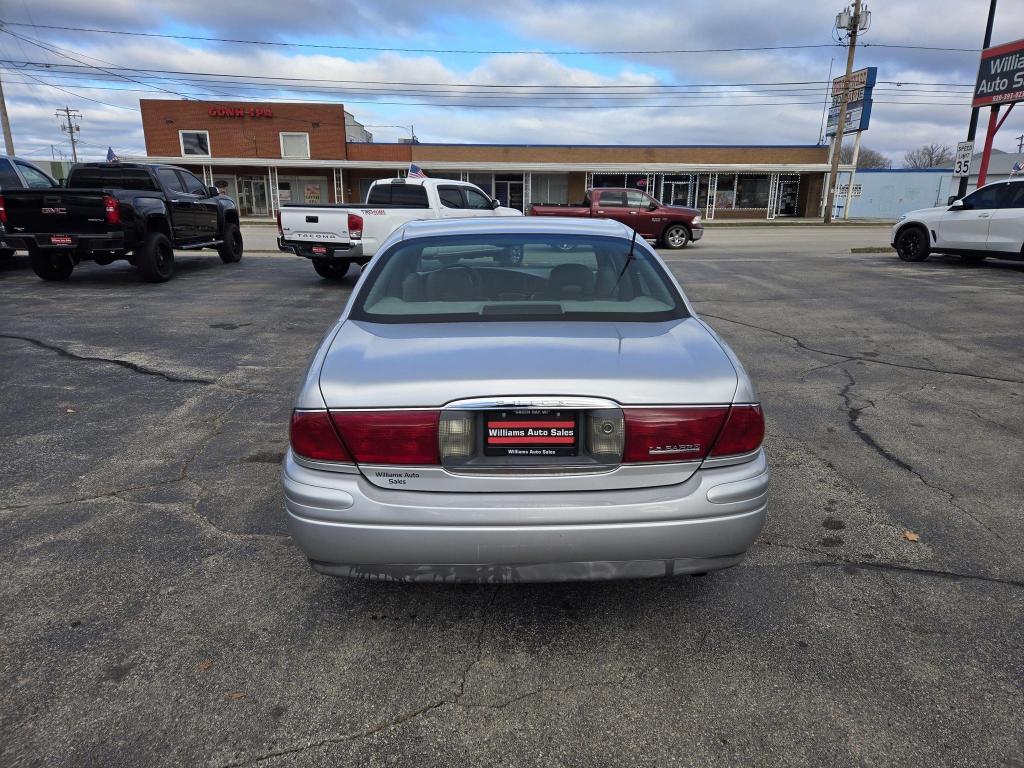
[(652, 207), (958, 205), (213, 191), (495, 204)]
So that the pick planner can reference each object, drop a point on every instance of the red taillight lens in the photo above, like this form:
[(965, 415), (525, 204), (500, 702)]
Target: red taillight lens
[(112, 210), (279, 230), (742, 433), (671, 434), (355, 226), (389, 437), (3, 211), (312, 436)]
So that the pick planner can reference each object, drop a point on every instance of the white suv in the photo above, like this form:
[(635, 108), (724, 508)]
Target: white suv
[(988, 222)]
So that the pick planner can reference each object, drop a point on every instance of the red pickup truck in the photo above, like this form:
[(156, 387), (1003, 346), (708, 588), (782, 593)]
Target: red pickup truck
[(672, 225)]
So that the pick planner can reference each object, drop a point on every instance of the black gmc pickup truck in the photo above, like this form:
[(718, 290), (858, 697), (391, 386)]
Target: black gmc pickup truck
[(110, 211)]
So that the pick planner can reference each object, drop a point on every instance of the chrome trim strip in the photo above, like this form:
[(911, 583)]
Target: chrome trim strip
[(728, 461), (530, 401), (326, 466)]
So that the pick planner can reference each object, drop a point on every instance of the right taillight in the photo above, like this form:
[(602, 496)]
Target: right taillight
[(355, 226), (671, 434), (3, 211), (312, 436), (742, 433), (111, 210), (278, 217)]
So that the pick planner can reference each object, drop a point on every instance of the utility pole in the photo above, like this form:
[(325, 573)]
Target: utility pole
[(8, 139), (972, 127), (844, 99), (69, 124)]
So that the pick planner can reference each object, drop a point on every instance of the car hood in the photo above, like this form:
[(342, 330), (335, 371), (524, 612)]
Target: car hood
[(373, 365), (681, 210), (926, 212)]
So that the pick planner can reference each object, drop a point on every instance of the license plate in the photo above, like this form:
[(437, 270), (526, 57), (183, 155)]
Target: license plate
[(61, 240), (531, 432), (319, 249)]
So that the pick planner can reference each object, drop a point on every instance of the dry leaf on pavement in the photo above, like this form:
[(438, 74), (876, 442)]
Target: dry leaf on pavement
[(205, 664), (236, 695), (911, 536)]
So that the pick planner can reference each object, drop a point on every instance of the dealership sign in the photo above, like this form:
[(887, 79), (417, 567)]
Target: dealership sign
[(241, 112), (859, 86), (1000, 75)]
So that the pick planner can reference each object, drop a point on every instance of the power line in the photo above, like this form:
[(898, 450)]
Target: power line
[(567, 52)]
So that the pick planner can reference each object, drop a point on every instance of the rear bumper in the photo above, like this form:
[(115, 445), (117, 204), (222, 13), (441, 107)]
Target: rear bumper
[(348, 527), (353, 252), (82, 244)]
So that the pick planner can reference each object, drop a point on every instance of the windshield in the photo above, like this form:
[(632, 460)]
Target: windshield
[(517, 277)]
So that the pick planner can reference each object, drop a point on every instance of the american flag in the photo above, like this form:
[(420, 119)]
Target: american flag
[(1017, 168), (111, 155), (415, 172)]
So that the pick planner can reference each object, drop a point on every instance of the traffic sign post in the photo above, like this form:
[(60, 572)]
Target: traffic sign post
[(962, 164)]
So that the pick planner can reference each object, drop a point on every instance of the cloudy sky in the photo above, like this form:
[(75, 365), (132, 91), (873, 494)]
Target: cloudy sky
[(567, 89)]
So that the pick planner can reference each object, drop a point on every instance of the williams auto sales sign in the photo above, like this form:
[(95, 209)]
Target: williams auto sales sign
[(1001, 75)]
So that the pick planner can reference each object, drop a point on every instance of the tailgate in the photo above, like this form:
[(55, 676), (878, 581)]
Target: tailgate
[(55, 211), (309, 226)]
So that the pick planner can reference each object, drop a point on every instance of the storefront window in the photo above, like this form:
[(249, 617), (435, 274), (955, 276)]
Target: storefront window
[(752, 191), (195, 143), (725, 193), (295, 145), (483, 180), (549, 188)]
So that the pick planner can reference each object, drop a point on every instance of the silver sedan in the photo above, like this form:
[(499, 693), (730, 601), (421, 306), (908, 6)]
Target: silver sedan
[(523, 400)]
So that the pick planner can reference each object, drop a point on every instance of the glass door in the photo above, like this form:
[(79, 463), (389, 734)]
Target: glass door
[(786, 198), (252, 197), (677, 193), (509, 190)]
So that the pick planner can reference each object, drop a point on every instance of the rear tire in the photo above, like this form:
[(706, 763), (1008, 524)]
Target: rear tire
[(331, 269), (52, 267), (231, 249), (155, 259), (677, 236), (912, 244)]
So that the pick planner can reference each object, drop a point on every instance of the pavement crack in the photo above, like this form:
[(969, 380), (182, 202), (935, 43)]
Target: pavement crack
[(860, 358), (485, 615), (134, 367), (616, 682), (853, 414), (340, 738)]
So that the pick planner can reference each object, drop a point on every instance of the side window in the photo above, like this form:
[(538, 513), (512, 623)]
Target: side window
[(476, 200), (451, 197), (1013, 197), (193, 185), (636, 199), (35, 178), (411, 195), (169, 179), (612, 198), (8, 178), (984, 198)]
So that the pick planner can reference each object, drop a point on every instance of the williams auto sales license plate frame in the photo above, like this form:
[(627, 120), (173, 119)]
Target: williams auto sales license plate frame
[(531, 433)]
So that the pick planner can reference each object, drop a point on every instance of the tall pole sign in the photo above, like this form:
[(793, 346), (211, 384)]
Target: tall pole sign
[(1000, 81), (972, 126)]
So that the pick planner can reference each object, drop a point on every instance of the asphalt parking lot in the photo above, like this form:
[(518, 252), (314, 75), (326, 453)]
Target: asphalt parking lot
[(154, 612)]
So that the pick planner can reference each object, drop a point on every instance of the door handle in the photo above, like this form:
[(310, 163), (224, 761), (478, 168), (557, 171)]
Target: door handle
[(600, 211), (632, 213), (984, 215)]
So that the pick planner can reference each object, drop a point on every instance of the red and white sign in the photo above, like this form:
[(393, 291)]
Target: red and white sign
[(1000, 75)]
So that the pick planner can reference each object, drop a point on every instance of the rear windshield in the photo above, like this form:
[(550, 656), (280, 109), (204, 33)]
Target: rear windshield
[(505, 277), (410, 195), (112, 178)]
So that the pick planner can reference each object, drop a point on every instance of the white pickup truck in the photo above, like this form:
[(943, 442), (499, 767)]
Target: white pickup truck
[(336, 236)]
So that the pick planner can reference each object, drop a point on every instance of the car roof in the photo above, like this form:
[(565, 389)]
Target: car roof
[(540, 225)]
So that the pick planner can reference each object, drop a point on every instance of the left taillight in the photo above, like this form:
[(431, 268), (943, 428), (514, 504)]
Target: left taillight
[(389, 437), (743, 431), (111, 209), (671, 434), (312, 436), (3, 211), (355, 226)]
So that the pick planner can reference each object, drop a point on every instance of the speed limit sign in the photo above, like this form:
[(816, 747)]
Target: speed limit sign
[(962, 164)]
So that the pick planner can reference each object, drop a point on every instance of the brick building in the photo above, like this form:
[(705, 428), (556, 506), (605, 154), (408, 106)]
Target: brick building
[(266, 154)]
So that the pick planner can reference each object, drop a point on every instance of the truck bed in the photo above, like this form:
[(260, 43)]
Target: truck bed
[(576, 211)]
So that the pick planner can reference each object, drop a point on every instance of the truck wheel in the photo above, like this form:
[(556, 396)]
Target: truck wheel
[(676, 237), (912, 244), (51, 266), (231, 249), (155, 259), (331, 269)]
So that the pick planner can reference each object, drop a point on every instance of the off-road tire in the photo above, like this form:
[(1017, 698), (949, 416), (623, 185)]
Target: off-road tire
[(155, 259), (51, 266), (912, 243), (231, 249)]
